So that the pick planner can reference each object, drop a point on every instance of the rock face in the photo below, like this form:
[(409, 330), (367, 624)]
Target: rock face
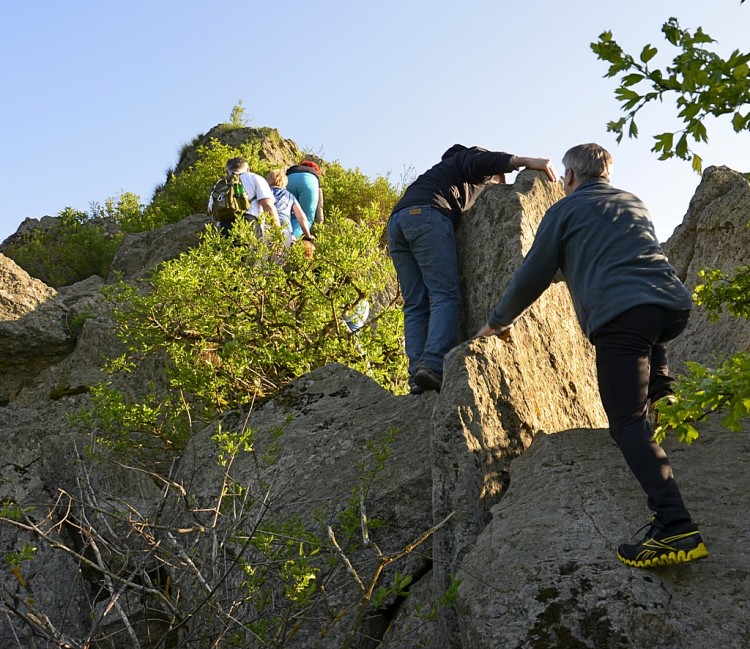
[(497, 394), (543, 573), (714, 234), (46, 474), (494, 237), (271, 146), (34, 328), (140, 253), (533, 517), (327, 428)]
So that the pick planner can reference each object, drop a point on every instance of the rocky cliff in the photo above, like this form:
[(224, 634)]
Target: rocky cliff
[(269, 143), (714, 234), (511, 462)]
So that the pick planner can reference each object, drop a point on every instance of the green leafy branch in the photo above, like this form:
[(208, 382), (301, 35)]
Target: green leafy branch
[(720, 289), (704, 84), (705, 390)]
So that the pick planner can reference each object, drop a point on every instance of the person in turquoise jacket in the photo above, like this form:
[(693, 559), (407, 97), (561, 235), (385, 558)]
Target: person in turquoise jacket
[(304, 183)]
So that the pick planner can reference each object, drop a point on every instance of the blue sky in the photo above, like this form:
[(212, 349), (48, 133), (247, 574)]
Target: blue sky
[(99, 96)]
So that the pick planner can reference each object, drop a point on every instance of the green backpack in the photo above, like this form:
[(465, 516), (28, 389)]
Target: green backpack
[(230, 200)]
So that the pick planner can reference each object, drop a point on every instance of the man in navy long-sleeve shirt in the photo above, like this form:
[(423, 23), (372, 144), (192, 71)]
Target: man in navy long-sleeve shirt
[(422, 244), (629, 302)]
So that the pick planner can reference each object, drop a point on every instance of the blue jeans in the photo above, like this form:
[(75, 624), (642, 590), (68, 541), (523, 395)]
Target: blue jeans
[(422, 244)]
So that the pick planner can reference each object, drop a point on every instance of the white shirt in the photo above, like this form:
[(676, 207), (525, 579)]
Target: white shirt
[(255, 186)]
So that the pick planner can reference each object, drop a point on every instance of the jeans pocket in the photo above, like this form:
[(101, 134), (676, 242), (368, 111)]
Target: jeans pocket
[(415, 225)]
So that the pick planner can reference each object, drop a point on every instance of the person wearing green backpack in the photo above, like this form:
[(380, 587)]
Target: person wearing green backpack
[(240, 194)]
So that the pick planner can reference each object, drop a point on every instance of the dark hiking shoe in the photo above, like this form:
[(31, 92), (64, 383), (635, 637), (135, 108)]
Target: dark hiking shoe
[(428, 379), (414, 388), (664, 546)]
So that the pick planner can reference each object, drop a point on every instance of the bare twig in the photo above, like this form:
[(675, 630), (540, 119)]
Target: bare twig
[(349, 567)]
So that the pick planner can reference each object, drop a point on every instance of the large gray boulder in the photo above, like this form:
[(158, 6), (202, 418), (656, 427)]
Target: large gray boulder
[(61, 501), (268, 143), (142, 252), (498, 394), (544, 573), (313, 448), (714, 234), (53, 343), (35, 330), (494, 237)]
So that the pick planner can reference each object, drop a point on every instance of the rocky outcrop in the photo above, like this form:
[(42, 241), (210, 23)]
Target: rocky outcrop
[(327, 429), (543, 573), (714, 234), (140, 253), (50, 224), (57, 489), (494, 237), (35, 330), (270, 145), (531, 518), (498, 394)]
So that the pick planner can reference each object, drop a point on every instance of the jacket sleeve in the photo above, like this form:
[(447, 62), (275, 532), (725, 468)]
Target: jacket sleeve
[(534, 275), (478, 165)]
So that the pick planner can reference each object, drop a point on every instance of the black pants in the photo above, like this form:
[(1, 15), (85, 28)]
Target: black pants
[(631, 363)]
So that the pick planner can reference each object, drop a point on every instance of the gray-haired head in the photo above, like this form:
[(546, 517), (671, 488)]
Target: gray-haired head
[(588, 161)]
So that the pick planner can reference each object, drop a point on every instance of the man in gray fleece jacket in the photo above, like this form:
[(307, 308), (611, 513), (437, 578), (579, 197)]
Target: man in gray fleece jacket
[(629, 302)]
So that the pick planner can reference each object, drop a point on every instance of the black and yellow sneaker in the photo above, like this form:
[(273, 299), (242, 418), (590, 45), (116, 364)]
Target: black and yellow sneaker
[(665, 546)]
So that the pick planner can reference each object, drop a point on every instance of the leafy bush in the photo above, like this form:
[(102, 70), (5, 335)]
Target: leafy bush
[(351, 192), (187, 193), (704, 390), (358, 197), (126, 212), (238, 318), (238, 118), (76, 248), (84, 244)]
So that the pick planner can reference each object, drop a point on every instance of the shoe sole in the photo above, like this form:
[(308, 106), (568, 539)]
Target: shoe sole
[(668, 558)]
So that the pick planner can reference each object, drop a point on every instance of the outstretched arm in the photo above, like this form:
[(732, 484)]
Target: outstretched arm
[(319, 218), (301, 217), (538, 164)]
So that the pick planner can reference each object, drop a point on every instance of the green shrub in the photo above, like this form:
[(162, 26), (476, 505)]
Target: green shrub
[(126, 212), (237, 319), (73, 250), (237, 118), (725, 388), (358, 197), (187, 193)]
